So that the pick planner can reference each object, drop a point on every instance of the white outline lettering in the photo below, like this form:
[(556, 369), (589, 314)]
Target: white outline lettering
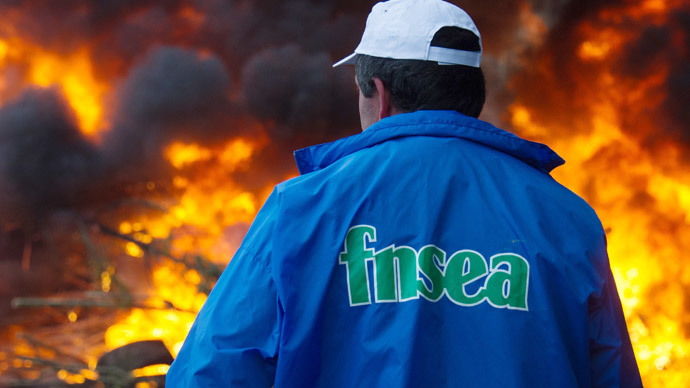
[(441, 264)]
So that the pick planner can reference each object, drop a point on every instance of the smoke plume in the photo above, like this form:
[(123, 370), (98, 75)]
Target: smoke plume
[(44, 161)]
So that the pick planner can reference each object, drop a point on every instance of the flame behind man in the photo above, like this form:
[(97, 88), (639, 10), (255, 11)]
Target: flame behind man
[(431, 250)]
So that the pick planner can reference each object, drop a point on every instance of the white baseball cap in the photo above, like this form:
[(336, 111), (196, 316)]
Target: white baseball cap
[(403, 29)]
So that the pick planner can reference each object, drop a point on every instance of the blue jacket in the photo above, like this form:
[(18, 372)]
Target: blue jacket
[(431, 250)]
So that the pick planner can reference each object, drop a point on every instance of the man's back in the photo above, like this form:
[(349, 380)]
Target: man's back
[(431, 250)]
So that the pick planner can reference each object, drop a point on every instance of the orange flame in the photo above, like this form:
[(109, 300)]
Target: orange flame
[(643, 255), (647, 233), (73, 73), (75, 76), (642, 196), (647, 236), (209, 203)]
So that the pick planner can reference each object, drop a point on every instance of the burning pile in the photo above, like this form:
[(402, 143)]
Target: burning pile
[(138, 140), (617, 79)]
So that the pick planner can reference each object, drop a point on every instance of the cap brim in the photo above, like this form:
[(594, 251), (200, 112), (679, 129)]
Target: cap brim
[(348, 60)]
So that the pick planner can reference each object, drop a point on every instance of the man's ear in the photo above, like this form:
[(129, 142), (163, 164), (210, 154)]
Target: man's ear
[(384, 96)]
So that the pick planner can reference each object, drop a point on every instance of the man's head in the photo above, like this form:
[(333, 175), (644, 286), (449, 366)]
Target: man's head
[(417, 55)]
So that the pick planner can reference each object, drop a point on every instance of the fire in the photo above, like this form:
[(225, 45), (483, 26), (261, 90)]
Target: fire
[(594, 49), (211, 202), (4, 49), (208, 205), (173, 284), (645, 257), (180, 154), (654, 5), (642, 196), (73, 74)]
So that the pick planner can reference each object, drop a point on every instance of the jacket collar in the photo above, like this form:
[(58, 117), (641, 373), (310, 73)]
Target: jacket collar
[(429, 123)]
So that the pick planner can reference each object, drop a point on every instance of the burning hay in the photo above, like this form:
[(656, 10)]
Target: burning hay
[(138, 140)]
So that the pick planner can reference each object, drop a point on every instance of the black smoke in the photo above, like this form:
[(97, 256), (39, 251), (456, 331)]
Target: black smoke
[(301, 93), (173, 94), (45, 163), (674, 106), (560, 86), (47, 171), (643, 55)]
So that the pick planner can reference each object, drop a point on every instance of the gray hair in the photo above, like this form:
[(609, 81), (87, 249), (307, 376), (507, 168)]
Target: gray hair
[(421, 85)]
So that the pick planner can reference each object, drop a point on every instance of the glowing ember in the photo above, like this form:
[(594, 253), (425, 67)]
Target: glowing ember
[(152, 370), (594, 50)]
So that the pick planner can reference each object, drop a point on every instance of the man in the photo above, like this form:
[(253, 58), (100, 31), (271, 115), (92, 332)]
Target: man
[(431, 250)]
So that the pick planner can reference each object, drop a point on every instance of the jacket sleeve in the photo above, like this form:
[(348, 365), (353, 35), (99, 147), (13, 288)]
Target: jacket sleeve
[(612, 361), (234, 339)]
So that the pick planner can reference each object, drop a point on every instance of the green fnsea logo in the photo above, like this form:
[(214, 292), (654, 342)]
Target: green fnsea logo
[(402, 274)]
